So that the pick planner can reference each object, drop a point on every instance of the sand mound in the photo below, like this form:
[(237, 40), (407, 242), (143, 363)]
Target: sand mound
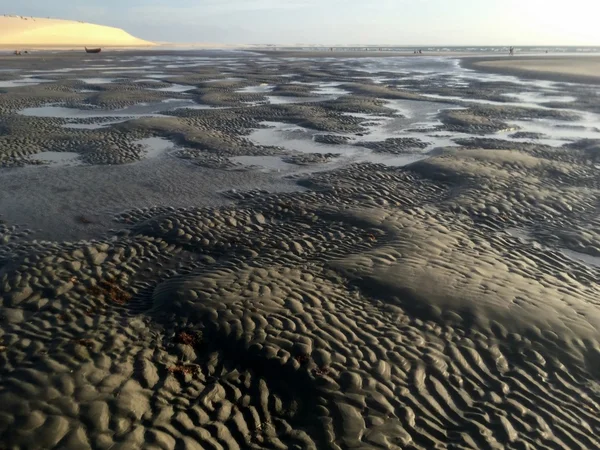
[(31, 31)]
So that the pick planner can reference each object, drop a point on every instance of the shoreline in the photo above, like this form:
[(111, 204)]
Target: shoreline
[(571, 69), (350, 54)]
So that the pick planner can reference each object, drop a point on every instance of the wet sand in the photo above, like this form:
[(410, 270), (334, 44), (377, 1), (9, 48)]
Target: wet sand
[(397, 253), (578, 69), (340, 53)]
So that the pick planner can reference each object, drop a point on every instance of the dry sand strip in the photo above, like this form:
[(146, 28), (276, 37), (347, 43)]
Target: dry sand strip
[(575, 69)]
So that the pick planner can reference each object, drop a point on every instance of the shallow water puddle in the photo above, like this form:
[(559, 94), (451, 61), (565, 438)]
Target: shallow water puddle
[(589, 260), (558, 132), (148, 67), (175, 88), (94, 126), (391, 160), (93, 67), (413, 114), (256, 89), (295, 138), (185, 65), (415, 119), (98, 80), (25, 81), (57, 158), (139, 110), (298, 139), (283, 100), (525, 103), (218, 80), (538, 98), (200, 107), (519, 233), (158, 76), (155, 146), (524, 235), (330, 88), (330, 91), (267, 163)]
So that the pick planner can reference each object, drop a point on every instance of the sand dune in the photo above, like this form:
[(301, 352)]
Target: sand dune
[(19, 31)]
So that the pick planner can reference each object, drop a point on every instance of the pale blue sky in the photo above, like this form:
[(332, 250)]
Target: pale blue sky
[(398, 22)]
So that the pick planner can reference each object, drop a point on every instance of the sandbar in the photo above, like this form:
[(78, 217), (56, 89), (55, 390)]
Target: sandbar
[(584, 69)]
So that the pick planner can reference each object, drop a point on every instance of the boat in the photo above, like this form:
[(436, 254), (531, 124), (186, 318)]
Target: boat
[(93, 50)]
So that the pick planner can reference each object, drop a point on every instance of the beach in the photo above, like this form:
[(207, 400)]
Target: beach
[(583, 69), (219, 249)]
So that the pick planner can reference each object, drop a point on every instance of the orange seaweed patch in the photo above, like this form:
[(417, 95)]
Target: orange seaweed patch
[(85, 342), (185, 369), (187, 338), (83, 220), (320, 371), (112, 292)]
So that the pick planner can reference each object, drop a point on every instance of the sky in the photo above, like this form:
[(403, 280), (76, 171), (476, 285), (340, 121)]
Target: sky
[(335, 22)]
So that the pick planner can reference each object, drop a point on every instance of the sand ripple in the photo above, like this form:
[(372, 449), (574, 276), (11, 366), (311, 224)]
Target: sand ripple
[(436, 305)]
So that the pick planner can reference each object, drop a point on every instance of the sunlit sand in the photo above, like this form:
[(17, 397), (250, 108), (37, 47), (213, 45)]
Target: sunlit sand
[(20, 31), (582, 68)]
